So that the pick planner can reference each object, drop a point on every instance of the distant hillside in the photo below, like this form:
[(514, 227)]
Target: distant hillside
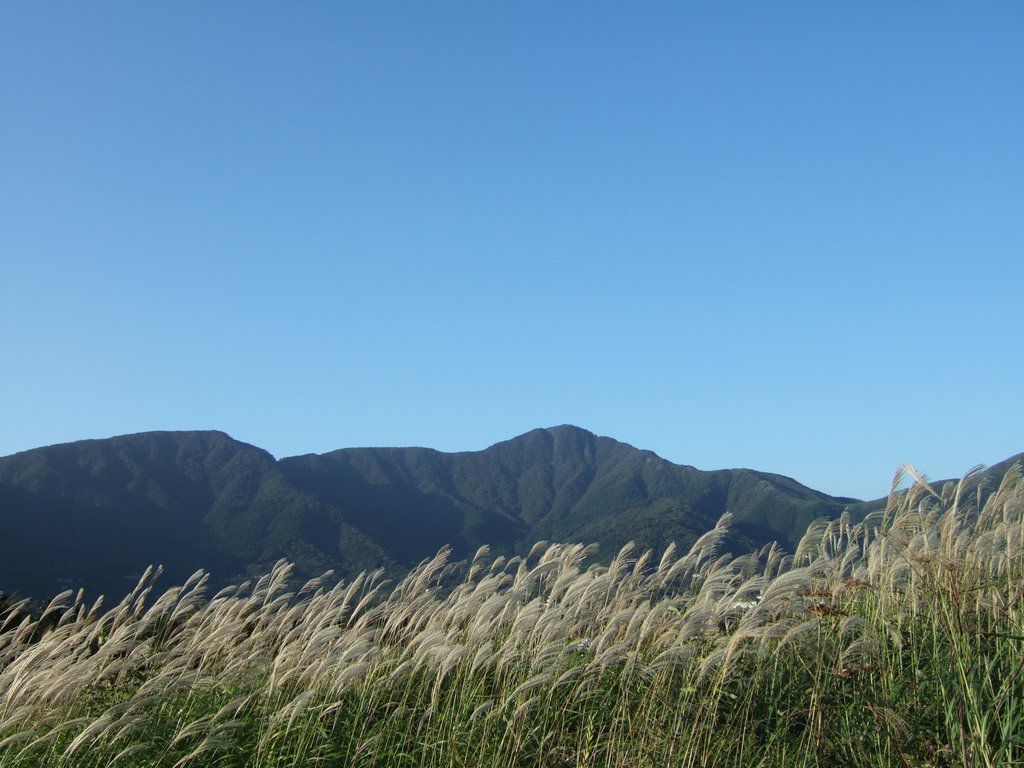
[(95, 513), (563, 484), (982, 482)]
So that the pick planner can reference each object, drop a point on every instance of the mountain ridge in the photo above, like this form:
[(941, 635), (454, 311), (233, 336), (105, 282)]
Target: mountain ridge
[(94, 513)]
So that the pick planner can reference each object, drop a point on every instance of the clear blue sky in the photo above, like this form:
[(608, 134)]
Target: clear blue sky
[(785, 236)]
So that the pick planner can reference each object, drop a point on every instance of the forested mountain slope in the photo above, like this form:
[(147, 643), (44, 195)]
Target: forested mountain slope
[(95, 513)]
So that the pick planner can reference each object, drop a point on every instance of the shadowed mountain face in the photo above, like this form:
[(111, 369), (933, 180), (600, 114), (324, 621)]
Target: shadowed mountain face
[(97, 512)]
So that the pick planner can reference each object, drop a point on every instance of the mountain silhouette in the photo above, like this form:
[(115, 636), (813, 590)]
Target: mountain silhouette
[(95, 513)]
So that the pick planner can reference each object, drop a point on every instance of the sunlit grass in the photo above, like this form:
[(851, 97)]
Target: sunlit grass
[(894, 641)]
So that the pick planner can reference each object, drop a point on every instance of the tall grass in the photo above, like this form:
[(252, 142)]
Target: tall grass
[(894, 641)]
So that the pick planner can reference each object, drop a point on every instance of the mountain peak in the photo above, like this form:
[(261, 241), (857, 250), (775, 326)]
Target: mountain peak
[(568, 429)]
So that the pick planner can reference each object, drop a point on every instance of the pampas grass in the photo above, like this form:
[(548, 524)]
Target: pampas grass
[(893, 641)]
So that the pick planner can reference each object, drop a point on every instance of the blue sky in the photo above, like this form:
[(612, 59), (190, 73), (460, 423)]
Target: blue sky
[(784, 236)]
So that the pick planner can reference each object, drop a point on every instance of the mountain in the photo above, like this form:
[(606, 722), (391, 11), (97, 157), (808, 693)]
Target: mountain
[(95, 513), (979, 484), (563, 484)]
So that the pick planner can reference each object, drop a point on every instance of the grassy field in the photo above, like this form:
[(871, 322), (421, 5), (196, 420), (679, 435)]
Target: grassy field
[(897, 641)]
